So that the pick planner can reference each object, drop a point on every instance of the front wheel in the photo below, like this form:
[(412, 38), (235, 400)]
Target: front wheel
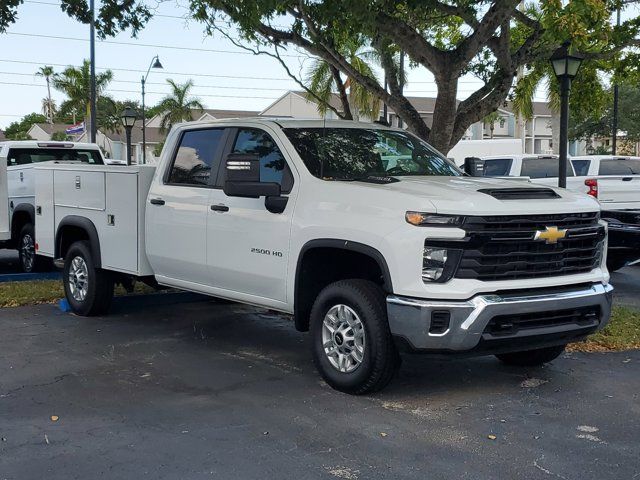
[(532, 358), (89, 290), (352, 346)]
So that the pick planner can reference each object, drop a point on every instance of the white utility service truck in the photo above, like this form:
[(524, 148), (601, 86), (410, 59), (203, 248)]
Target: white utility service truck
[(374, 242), (17, 189)]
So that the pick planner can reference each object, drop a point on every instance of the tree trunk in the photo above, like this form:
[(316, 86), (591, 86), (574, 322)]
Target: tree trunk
[(555, 133), (444, 114), (342, 93), (49, 109), (491, 127)]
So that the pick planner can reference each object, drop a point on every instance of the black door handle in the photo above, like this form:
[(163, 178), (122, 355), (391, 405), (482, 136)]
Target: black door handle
[(219, 208), (156, 201)]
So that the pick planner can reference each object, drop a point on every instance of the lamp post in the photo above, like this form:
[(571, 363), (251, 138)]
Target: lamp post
[(128, 117), (565, 66), (155, 63)]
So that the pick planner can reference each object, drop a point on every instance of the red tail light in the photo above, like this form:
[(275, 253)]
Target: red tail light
[(592, 183)]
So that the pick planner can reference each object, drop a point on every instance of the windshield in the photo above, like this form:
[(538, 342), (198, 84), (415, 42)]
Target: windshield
[(359, 153), (25, 156)]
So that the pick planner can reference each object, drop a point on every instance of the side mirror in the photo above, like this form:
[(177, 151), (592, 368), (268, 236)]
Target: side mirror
[(473, 166), (243, 178)]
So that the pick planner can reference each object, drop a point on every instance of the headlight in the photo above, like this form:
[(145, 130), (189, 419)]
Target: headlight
[(433, 263), (433, 220)]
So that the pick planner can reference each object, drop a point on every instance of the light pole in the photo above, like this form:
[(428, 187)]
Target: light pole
[(128, 117), (155, 63), (565, 66)]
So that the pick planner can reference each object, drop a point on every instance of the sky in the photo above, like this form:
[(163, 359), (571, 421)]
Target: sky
[(225, 76)]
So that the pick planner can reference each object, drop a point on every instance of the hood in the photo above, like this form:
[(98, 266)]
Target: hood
[(463, 195)]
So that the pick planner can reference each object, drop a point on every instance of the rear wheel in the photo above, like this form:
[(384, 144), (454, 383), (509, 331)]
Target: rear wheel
[(352, 346), (532, 358), (89, 290), (27, 249)]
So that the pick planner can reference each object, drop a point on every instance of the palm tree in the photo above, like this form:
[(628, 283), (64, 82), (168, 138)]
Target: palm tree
[(324, 79), (48, 107), (491, 120), (75, 83), (178, 105)]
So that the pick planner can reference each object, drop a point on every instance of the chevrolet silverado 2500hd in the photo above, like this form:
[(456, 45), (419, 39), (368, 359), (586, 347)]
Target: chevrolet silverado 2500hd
[(373, 241), (17, 159)]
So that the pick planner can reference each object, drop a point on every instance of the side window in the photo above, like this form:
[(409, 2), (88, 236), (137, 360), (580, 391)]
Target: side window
[(18, 157), (620, 166), (581, 167), (543, 168), (273, 167), (497, 167), (196, 157)]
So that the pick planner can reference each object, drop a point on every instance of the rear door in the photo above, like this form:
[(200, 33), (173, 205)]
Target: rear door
[(178, 205), (619, 183)]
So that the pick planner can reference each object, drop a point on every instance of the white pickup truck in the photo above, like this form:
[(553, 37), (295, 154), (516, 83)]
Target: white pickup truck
[(17, 189), (371, 239)]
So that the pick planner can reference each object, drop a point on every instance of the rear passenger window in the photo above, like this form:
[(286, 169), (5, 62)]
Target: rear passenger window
[(581, 167), (497, 167), (620, 166), (273, 167), (196, 157)]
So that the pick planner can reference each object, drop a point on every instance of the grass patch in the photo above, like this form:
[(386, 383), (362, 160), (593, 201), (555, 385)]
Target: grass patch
[(622, 333), (18, 294)]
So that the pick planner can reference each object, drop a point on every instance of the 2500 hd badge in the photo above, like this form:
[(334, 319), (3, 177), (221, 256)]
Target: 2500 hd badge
[(264, 251)]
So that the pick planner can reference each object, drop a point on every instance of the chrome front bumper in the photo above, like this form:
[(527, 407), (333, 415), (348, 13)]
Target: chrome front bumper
[(410, 318)]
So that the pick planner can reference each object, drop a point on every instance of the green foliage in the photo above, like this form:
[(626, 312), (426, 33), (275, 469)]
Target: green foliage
[(178, 105), (59, 136), (585, 126), (157, 149), (18, 130), (75, 83)]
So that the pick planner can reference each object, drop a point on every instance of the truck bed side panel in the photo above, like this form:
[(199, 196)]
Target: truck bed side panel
[(4, 201), (119, 234)]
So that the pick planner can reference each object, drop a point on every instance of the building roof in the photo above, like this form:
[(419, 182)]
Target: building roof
[(539, 108), (53, 128)]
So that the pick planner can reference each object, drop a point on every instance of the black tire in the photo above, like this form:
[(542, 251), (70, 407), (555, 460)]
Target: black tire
[(532, 358), (99, 283), (26, 249), (380, 359)]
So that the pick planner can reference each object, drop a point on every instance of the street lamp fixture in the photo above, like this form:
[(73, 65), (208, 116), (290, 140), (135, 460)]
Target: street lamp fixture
[(155, 63), (565, 66), (128, 118)]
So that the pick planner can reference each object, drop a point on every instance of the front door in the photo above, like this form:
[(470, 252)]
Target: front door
[(249, 247), (176, 222)]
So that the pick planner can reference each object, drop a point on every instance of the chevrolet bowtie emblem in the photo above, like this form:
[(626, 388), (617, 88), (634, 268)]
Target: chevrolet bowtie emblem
[(550, 234)]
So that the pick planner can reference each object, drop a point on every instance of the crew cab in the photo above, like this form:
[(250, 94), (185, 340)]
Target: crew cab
[(614, 181), (371, 239), (17, 196)]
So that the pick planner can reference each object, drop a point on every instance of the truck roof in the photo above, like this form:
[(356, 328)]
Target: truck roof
[(48, 144), (288, 122), (605, 157)]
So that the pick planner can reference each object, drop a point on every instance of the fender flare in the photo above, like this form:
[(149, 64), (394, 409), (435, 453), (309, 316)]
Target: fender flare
[(18, 209), (86, 225), (339, 244)]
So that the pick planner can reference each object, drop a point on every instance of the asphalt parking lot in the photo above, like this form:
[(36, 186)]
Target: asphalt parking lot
[(209, 390)]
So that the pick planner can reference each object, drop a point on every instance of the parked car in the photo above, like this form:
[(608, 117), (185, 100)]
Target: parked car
[(17, 159), (614, 181), (370, 238)]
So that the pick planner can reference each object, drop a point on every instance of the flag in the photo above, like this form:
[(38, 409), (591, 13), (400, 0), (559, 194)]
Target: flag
[(75, 129)]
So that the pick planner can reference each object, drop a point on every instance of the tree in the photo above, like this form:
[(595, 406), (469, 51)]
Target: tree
[(490, 120), (323, 79), (59, 136), (490, 39), (48, 105), (585, 127), (18, 130), (75, 83), (178, 105)]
